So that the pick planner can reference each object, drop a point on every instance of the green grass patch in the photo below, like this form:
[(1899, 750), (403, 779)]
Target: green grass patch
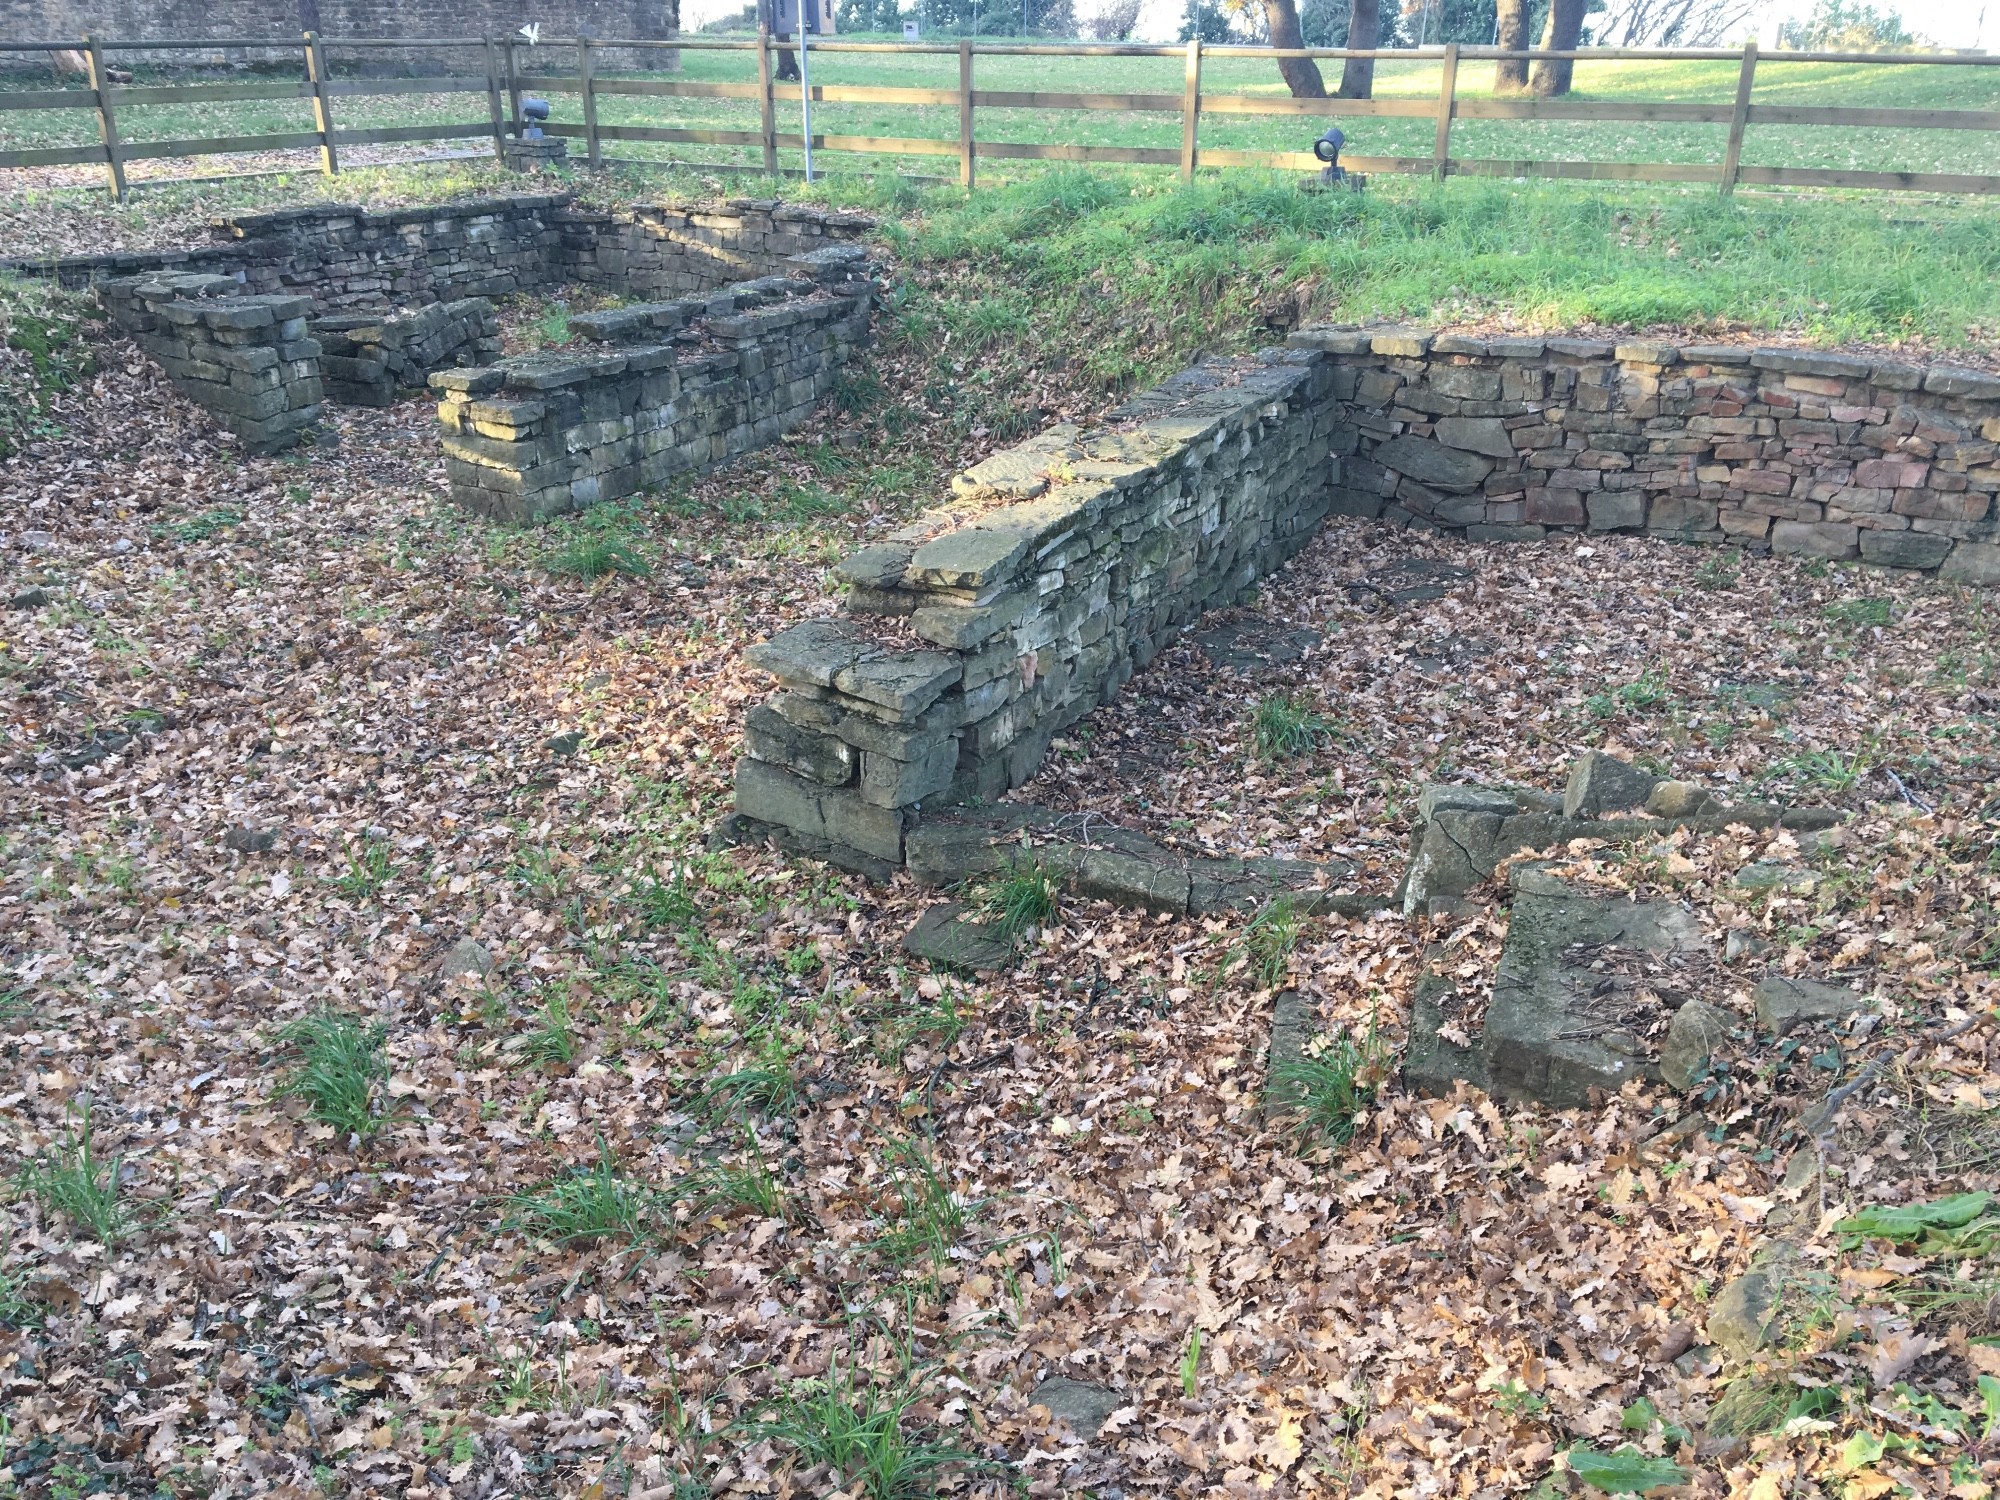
[(43, 352), (597, 1202), (1271, 939), (70, 1179), (337, 1067), (1283, 728), (1320, 1095), (860, 1428), (1020, 896)]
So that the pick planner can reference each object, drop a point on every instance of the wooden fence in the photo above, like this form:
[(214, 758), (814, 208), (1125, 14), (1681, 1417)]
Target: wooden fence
[(503, 83)]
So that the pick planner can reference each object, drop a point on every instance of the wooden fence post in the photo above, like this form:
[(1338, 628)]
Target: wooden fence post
[(107, 120), (513, 87), (329, 156), (965, 115), (1447, 106), (1190, 108), (493, 99), (767, 119), (1732, 156), (583, 69)]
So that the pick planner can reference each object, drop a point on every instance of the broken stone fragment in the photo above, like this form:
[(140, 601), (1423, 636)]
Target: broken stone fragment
[(1744, 1314), (247, 840), (1696, 1033), (466, 957), (1769, 875), (1783, 1004), (948, 935), (1679, 799), (1601, 783), (1083, 1405)]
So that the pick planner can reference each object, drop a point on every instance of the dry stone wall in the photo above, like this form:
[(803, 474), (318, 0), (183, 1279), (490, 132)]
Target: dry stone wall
[(398, 295), (979, 632), (247, 359), (346, 256), (1785, 450), (677, 387), (367, 359)]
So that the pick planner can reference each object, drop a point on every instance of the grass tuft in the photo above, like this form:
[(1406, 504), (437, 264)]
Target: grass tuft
[(859, 1428), (337, 1066), (1283, 728), (1271, 939), (1320, 1096), (1021, 896), (928, 1218), (71, 1180), (597, 1202)]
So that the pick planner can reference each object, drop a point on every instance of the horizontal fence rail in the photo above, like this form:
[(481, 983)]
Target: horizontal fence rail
[(502, 80)]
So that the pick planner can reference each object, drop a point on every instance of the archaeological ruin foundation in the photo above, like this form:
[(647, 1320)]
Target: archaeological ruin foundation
[(1063, 565)]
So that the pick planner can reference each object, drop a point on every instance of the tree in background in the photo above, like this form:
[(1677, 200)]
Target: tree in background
[(1301, 74), (1510, 32), (1837, 26), (1115, 22), (1563, 33), (1323, 23), (1364, 34)]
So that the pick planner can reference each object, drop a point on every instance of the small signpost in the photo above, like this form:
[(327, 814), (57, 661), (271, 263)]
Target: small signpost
[(809, 18)]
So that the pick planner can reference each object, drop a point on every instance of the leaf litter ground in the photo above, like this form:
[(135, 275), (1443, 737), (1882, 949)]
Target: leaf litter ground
[(682, 1129)]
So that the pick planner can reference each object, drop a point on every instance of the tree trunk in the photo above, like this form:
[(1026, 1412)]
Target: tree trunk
[(1510, 76), (1301, 74), (1364, 30), (1552, 76)]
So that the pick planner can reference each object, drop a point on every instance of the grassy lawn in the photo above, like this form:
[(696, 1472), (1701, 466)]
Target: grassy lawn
[(1778, 82)]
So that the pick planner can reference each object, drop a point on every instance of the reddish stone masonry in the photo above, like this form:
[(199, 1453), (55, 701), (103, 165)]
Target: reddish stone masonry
[(1779, 450)]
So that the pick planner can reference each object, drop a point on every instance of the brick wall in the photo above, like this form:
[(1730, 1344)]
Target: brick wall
[(1780, 450)]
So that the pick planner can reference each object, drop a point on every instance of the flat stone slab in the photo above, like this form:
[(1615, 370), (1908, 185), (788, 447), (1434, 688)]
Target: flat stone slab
[(1091, 857), (1251, 646), (1416, 580), (1078, 1402), (1583, 998), (1784, 1004), (948, 935)]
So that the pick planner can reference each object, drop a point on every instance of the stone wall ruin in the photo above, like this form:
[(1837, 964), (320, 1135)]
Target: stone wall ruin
[(395, 297), (1066, 563)]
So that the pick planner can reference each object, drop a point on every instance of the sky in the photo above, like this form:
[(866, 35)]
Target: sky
[(1950, 23)]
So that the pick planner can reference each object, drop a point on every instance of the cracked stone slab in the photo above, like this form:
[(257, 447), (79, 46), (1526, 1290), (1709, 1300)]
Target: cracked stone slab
[(1091, 857), (949, 935), (1784, 1004), (1255, 645)]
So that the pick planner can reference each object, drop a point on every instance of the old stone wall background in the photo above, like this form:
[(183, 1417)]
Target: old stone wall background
[(346, 256), (1060, 568), (678, 387), (1786, 450), (283, 21)]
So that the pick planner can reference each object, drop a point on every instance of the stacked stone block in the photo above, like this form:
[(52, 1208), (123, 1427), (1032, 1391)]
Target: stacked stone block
[(666, 251), (247, 359), (367, 359), (678, 388), (1785, 450), (346, 256), (1059, 568)]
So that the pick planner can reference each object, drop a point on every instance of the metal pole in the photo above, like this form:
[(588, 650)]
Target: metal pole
[(805, 84)]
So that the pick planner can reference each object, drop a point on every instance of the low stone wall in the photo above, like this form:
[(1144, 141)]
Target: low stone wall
[(1786, 450), (665, 251), (680, 387), (367, 359), (346, 256), (1061, 567), (246, 359)]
